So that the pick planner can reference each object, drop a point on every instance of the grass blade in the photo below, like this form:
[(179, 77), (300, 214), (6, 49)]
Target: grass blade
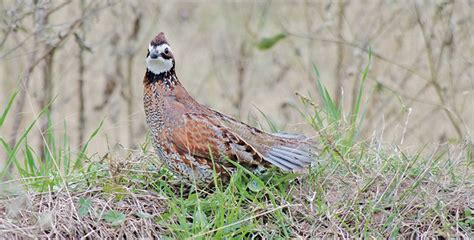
[(7, 109)]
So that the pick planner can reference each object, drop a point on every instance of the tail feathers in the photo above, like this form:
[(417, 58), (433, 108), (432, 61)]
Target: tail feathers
[(288, 158)]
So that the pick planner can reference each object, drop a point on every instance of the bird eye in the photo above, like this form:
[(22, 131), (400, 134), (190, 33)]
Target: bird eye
[(167, 51)]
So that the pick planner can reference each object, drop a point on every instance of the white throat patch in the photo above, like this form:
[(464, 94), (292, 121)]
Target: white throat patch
[(159, 65)]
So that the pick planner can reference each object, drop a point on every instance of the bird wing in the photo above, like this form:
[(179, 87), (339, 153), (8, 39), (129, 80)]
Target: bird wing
[(202, 136)]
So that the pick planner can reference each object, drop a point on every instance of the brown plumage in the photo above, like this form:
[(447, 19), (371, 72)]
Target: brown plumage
[(193, 139)]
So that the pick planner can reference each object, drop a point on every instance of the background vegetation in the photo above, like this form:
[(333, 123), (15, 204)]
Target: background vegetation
[(385, 87)]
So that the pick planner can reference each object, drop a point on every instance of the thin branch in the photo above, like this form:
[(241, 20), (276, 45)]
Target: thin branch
[(340, 54), (363, 48), (34, 61), (434, 75), (81, 69)]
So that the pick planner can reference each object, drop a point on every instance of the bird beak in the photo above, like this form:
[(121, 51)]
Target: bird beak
[(154, 54)]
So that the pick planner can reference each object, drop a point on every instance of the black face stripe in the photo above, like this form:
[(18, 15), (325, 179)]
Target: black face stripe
[(165, 56), (148, 53)]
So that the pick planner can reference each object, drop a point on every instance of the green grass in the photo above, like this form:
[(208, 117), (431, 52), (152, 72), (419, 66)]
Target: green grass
[(356, 189)]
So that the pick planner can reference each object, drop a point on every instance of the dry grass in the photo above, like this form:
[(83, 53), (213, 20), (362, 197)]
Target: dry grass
[(55, 215), (393, 195)]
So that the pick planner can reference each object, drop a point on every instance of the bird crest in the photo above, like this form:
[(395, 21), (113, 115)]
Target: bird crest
[(159, 39)]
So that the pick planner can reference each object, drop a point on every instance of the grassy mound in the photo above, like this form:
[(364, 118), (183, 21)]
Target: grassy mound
[(390, 196)]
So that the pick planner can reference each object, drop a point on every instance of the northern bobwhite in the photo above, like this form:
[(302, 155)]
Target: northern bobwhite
[(193, 139)]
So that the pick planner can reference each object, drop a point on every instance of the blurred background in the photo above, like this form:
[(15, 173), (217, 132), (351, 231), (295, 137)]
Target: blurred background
[(84, 62)]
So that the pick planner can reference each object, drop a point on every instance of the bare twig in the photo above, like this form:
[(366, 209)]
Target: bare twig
[(131, 54), (39, 18), (33, 62), (241, 71), (434, 75), (82, 117), (338, 75)]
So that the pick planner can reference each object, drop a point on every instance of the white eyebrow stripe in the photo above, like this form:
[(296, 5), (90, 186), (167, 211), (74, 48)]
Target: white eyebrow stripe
[(160, 48)]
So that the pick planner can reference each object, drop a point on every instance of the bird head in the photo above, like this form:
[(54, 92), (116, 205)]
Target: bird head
[(159, 59)]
